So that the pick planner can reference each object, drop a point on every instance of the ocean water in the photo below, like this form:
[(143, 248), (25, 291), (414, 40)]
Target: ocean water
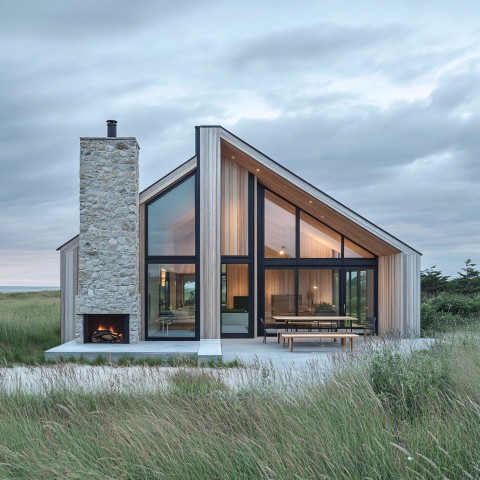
[(12, 289)]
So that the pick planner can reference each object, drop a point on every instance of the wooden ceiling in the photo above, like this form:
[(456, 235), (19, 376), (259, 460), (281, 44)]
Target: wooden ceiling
[(315, 207)]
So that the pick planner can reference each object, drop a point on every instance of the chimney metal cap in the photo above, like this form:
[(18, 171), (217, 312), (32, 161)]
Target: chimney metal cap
[(111, 128)]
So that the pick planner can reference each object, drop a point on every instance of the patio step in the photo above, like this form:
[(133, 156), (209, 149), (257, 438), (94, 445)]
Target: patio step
[(208, 350)]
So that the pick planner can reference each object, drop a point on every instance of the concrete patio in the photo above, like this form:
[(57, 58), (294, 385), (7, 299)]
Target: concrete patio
[(205, 350), (246, 350)]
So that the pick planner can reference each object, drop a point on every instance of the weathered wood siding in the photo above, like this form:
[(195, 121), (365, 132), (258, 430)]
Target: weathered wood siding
[(399, 294), (68, 289), (210, 213)]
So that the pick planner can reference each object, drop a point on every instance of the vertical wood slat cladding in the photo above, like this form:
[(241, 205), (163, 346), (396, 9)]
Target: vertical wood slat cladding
[(399, 294), (323, 280), (279, 283), (210, 213), (68, 289), (237, 283), (234, 199), (141, 250), (255, 257)]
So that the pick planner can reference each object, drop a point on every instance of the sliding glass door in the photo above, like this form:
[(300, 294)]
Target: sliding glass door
[(360, 293), (318, 292), (236, 300)]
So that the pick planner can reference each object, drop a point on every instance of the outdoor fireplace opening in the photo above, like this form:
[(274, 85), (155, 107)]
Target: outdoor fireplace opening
[(106, 328)]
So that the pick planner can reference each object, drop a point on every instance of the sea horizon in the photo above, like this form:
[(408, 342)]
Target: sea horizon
[(24, 288)]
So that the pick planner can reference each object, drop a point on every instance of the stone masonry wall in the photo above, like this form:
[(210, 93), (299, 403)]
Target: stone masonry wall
[(109, 231)]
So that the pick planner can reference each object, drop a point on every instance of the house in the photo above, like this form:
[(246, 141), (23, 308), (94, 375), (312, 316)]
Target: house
[(227, 237)]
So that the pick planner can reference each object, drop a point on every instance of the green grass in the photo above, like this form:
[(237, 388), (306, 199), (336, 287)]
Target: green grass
[(379, 417), (29, 325), (382, 415)]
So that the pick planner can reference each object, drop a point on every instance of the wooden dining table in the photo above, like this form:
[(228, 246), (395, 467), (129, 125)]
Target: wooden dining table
[(331, 322)]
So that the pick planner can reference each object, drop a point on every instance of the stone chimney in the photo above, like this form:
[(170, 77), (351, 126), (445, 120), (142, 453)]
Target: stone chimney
[(109, 234)]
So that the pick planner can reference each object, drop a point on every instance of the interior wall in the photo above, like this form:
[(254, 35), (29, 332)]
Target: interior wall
[(322, 280), (237, 283), (234, 208)]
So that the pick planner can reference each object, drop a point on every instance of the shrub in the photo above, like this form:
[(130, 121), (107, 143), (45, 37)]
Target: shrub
[(456, 304), (406, 384), (449, 310)]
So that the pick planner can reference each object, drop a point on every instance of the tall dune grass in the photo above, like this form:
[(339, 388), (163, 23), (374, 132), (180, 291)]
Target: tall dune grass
[(358, 423), (29, 325)]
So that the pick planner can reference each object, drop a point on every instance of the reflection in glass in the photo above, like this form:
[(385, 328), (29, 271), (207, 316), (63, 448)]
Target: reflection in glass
[(279, 227), (352, 250), (171, 300), (318, 292), (171, 221), (234, 206), (317, 240), (360, 288), (235, 299), (279, 293)]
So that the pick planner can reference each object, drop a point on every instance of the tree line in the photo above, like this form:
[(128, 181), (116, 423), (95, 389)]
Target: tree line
[(433, 281)]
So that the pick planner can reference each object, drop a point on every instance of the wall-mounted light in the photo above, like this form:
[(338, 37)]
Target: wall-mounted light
[(315, 287), (282, 250)]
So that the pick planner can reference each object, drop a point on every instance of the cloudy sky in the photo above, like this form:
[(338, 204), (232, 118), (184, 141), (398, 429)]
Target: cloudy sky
[(375, 102)]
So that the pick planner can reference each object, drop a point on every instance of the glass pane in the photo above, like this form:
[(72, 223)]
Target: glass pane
[(279, 227), (360, 288), (279, 294), (318, 292), (235, 299), (171, 221), (352, 250), (171, 300), (317, 240), (234, 209)]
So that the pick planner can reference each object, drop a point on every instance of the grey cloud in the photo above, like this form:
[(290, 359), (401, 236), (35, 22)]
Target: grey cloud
[(370, 143), (65, 68), (68, 21), (317, 42)]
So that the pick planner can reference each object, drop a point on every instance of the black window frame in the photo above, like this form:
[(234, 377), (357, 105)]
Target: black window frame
[(342, 264), (245, 260), (175, 259)]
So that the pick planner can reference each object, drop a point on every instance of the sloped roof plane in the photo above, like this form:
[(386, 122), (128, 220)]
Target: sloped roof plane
[(311, 199)]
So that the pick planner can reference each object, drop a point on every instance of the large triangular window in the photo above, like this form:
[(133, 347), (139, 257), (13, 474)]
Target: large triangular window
[(171, 221), (317, 240)]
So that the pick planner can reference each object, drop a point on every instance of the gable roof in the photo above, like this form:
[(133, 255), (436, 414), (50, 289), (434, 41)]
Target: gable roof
[(292, 187)]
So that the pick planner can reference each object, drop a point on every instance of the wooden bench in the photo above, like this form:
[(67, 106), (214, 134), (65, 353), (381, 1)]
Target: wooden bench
[(318, 336)]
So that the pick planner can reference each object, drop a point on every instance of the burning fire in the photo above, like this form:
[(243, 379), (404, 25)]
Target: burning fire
[(111, 330)]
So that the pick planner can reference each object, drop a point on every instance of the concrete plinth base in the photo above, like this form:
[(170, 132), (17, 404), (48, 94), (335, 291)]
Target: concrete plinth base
[(205, 350)]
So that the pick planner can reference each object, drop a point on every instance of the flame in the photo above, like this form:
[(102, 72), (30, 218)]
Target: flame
[(101, 327)]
